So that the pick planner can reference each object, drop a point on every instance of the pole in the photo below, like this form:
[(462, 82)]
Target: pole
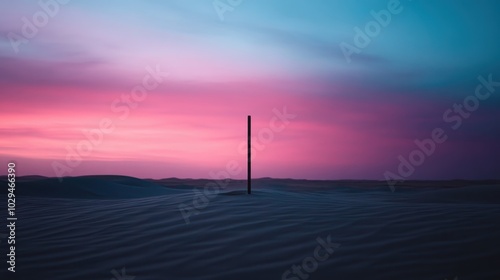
[(249, 167)]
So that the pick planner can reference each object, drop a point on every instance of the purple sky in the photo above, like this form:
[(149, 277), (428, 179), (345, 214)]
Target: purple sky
[(69, 70)]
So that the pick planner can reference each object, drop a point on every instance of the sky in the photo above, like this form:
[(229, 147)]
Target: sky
[(336, 89)]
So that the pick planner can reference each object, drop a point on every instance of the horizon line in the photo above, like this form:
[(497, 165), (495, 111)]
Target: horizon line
[(243, 179)]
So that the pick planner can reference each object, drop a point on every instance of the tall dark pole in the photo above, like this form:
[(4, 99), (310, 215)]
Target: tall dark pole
[(249, 168)]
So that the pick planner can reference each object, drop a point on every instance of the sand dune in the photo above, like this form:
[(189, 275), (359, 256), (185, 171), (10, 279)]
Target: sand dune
[(85, 227)]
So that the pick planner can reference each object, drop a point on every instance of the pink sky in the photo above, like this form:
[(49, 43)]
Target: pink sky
[(352, 120)]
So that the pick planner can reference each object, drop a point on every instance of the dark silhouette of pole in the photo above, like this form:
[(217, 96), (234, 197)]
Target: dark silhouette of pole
[(249, 167)]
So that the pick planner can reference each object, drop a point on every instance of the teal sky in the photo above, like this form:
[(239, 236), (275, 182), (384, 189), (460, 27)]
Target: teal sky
[(356, 115)]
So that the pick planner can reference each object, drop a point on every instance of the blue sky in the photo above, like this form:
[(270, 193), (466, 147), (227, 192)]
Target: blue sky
[(364, 111)]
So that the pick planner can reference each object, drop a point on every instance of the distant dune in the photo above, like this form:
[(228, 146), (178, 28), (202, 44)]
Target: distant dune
[(117, 187)]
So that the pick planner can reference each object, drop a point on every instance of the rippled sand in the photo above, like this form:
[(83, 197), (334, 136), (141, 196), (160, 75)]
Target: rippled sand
[(93, 227)]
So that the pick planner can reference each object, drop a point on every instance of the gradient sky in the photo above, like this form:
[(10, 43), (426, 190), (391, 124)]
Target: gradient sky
[(352, 121)]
